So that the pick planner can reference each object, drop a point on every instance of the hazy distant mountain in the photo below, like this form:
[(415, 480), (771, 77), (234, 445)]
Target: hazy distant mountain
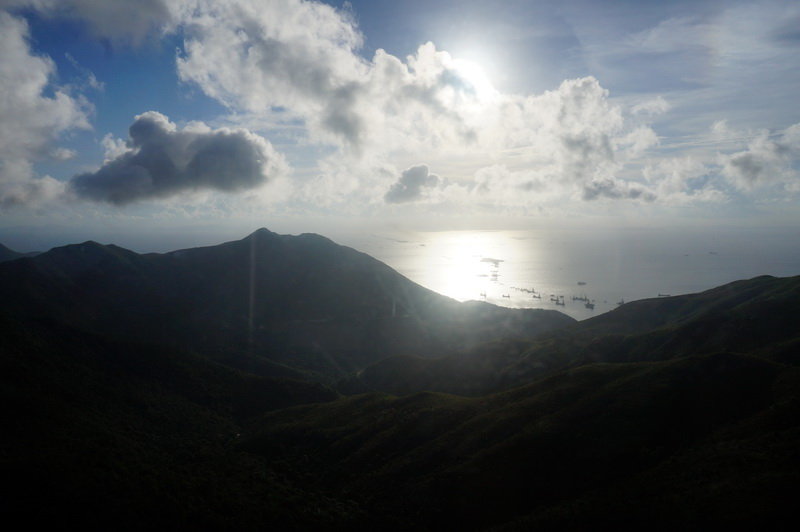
[(121, 409), (260, 303)]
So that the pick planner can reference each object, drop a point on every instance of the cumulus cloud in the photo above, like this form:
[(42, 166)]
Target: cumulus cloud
[(300, 62), (681, 180), (638, 141), (572, 127), (33, 113), (301, 59), (162, 160), (294, 55), (768, 159), (411, 185)]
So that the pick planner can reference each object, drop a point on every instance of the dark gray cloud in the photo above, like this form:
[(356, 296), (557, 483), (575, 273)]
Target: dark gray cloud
[(163, 161), (749, 166), (769, 158), (410, 187), (117, 20), (610, 188)]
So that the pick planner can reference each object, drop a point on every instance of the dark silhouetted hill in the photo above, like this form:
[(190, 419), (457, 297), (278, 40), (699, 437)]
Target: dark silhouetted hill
[(756, 316), (183, 390), (683, 443), (7, 254), (259, 303)]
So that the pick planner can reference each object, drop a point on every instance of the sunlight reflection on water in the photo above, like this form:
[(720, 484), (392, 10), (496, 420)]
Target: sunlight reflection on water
[(612, 265)]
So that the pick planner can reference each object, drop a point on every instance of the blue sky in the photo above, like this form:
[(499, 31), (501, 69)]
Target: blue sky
[(129, 121)]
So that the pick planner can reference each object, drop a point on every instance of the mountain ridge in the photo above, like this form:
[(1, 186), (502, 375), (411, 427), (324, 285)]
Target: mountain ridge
[(301, 301), (7, 254), (675, 413), (742, 316)]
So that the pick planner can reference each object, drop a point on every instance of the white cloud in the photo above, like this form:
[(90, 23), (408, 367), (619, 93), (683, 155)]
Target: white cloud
[(162, 161), (296, 66), (768, 159), (651, 106), (288, 54), (681, 180), (30, 120), (638, 141), (300, 61), (302, 58), (113, 147)]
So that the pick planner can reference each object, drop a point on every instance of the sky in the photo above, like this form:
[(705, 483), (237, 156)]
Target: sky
[(161, 123)]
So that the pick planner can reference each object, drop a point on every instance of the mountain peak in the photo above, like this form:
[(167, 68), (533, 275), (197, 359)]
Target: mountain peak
[(89, 247), (261, 232)]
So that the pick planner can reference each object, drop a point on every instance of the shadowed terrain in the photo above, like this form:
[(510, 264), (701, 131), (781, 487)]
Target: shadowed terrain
[(9, 254), (263, 304), (289, 382)]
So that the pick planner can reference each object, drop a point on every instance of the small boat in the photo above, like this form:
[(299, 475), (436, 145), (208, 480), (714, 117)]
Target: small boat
[(536, 296), (581, 283), (589, 305), (621, 302), (483, 294), (664, 295), (507, 295)]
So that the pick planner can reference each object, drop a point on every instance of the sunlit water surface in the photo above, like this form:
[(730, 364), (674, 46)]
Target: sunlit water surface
[(605, 266)]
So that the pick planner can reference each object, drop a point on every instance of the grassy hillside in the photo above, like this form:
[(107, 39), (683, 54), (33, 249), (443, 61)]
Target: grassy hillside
[(183, 390), (574, 449)]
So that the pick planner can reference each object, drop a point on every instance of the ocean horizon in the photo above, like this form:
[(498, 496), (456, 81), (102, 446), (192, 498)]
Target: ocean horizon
[(605, 267)]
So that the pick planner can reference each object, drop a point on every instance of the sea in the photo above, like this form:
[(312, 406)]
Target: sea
[(564, 269)]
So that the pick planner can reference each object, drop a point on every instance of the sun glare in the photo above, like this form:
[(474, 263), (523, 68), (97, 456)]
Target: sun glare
[(475, 75), (466, 265)]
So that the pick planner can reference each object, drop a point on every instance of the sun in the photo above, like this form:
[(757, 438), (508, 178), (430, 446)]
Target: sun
[(474, 75)]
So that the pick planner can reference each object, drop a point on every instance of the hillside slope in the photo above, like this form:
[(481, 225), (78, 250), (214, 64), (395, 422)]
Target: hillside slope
[(7, 254), (755, 316), (659, 445), (122, 409), (303, 302)]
